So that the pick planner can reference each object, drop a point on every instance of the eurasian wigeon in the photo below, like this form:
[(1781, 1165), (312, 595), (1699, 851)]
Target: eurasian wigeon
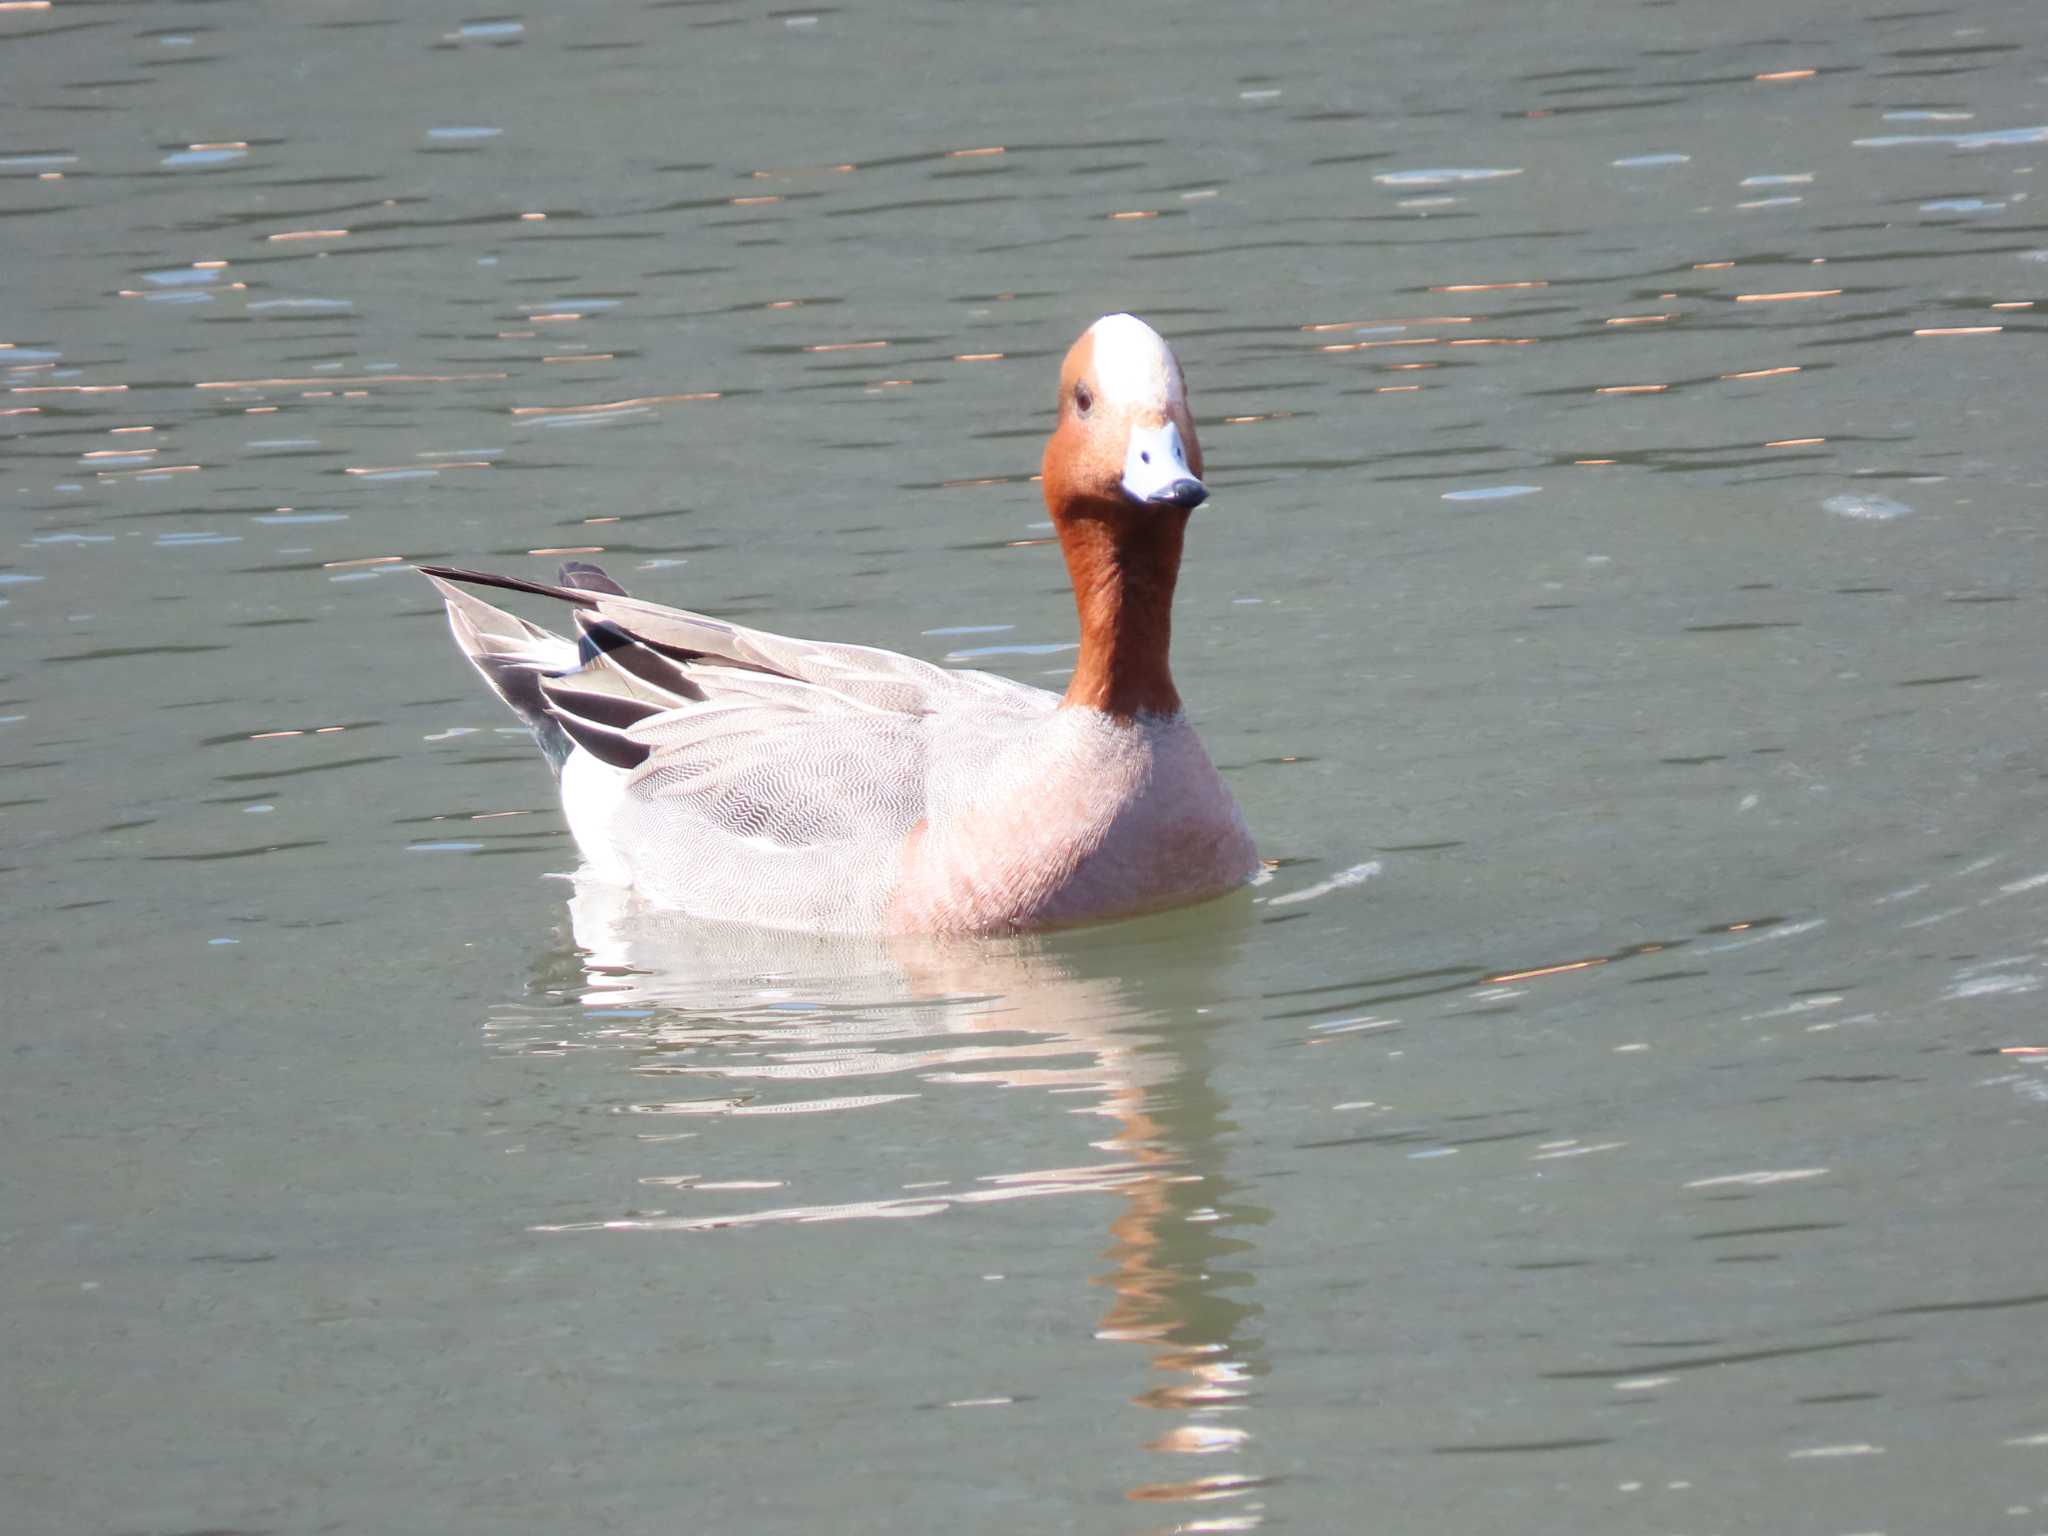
[(802, 784)]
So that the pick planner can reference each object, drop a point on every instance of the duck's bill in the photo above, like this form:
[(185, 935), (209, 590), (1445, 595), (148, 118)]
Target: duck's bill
[(1156, 469), (1182, 493)]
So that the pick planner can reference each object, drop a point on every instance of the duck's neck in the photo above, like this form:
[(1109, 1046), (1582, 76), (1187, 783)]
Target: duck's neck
[(1123, 567)]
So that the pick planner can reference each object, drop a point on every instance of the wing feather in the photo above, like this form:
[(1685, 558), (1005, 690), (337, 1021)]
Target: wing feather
[(763, 777)]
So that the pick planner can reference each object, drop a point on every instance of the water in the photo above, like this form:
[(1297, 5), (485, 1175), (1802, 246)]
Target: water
[(1618, 613)]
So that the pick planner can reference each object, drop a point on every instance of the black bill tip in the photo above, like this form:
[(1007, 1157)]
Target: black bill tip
[(1183, 493)]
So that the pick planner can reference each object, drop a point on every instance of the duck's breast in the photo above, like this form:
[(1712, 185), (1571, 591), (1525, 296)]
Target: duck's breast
[(1078, 817)]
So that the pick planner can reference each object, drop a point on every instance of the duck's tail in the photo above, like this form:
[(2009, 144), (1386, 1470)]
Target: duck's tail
[(513, 656)]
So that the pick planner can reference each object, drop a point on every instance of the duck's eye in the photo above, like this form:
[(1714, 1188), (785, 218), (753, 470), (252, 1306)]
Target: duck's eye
[(1084, 399)]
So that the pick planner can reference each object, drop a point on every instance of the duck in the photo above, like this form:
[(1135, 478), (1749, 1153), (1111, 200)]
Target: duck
[(728, 773)]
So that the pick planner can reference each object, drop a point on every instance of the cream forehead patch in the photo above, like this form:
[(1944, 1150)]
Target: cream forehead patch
[(1133, 364)]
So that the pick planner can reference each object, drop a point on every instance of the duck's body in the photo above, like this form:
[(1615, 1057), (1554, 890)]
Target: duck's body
[(735, 774)]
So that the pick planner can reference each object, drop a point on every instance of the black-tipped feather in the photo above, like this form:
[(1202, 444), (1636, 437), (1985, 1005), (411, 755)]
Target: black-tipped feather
[(622, 678), (659, 666), (586, 577), (601, 742), (590, 623), (597, 636), (518, 683), (509, 584), (566, 700)]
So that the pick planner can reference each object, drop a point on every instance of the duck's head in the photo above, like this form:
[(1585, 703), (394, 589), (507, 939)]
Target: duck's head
[(1125, 442)]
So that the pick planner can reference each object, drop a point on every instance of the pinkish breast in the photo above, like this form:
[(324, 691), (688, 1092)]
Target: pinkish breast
[(1091, 819)]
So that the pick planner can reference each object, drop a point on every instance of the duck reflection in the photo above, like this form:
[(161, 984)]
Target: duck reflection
[(741, 1021)]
